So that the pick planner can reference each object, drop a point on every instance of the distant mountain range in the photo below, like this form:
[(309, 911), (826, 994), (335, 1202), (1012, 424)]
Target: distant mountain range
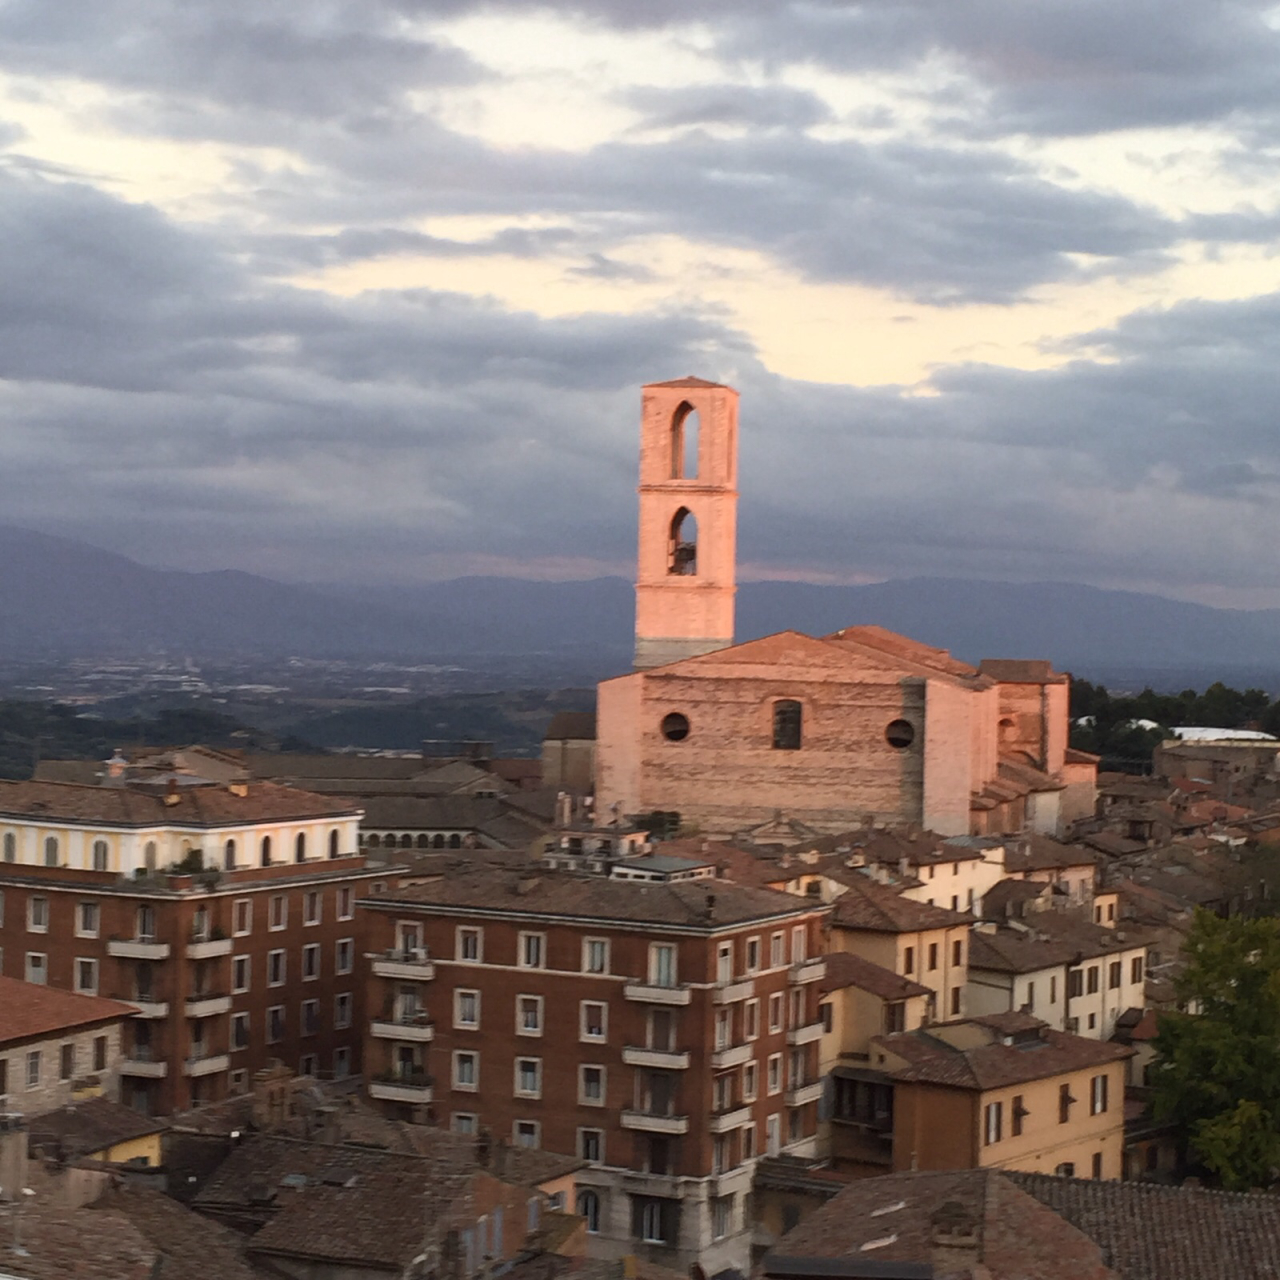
[(66, 598)]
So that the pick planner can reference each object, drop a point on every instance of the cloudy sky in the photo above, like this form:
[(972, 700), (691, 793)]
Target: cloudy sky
[(365, 289)]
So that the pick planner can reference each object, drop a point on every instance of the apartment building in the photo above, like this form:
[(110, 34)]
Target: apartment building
[(665, 1032), (225, 912)]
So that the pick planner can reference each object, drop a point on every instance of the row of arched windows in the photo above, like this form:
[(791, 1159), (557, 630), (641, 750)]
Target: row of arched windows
[(299, 849), (101, 852), (437, 841)]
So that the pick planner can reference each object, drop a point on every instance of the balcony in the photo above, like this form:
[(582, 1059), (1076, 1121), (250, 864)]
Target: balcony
[(663, 1059), (726, 1121), (809, 970), (648, 993), (804, 1093), (734, 1056), (139, 1062), (731, 992), (149, 1008), (206, 1064), (416, 1028), (411, 964), (805, 1035), (402, 1086), (206, 1006), (208, 948), (138, 949), (648, 1122)]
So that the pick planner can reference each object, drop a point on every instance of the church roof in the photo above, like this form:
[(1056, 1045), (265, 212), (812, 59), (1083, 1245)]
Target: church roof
[(690, 381)]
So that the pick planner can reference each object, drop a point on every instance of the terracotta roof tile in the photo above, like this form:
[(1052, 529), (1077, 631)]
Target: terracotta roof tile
[(1021, 671), (847, 970), (196, 806), (29, 1010), (85, 1128), (880, 909)]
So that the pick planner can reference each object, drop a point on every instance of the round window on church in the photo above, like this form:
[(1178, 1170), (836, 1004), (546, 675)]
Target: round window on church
[(900, 734), (675, 727)]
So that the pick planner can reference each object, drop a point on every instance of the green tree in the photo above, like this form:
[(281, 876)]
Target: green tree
[(1217, 1072)]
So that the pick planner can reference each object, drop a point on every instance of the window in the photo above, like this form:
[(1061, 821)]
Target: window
[(99, 1056), (342, 1010), (1114, 973), (465, 1122), (591, 1145), (300, 847), (1135, 969), (899, 734), (467, 945), (1053, 990), (595, 955), (750, 1019), (466, 1070), (1094, 979), (957, 952), (528, 1082), (334, 847), (591, 1086), (777, 956), (526, 1133), (1017, 1113), (86, 919), (908, 960), (723, 1028), (278, 912), (589, 1208), (722, 1092), (37, 967), (344, 955), (241, 917), (773, 1134), (955, 902), (308, 1065), (239, 1031), (799, 949), (721, 1217), (895, 1017), (229, 856), (675, 727), (933, 956), (528, 1015), (1065, 1103), (593, 1020), (466, 1009), (775, 1011), (38, 915), (275, 1023), (101, 855), (788, 719), (724, 963), (310, 1018), (1075, 983), (275, 968), (10, 847), (774, 1073), (753, 955), (51, 851), (955, 1002), (1097, 1095), (33, 1069), (346, 903), (533, 950), (1031, 997), (1065, 1170), (750, 1081), (1097, 1166), (993, 1121), (826, 1016), (652, 1228), (311, 962), (341, 1063), (87, 976), (662, 965), (311, 907)]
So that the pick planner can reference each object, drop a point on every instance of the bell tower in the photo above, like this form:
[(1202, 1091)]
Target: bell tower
[(685, 580)]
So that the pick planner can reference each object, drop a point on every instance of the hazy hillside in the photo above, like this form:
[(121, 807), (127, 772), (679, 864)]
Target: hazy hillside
[(64, 597)]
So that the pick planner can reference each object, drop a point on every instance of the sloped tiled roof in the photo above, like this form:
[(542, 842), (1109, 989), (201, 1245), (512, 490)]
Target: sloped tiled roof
[(85, 1128), (1152, 1232), (194, 806), (847, 970), (880, 909), (566, 725), (1049, 938), (29, 1010)]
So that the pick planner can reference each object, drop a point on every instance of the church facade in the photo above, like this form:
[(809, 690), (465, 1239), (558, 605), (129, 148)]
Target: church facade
[(830, 731)]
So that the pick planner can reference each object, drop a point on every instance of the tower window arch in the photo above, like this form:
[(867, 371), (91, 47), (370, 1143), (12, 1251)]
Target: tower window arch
[(788, 724), (51, 851), (682, 550), (684, 442), (265, 857), (229, 856), (101, 855), (333, 843), (300, 847), (10, 847)]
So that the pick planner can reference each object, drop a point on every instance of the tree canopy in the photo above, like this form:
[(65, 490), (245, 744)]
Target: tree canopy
[(1217, 1072)]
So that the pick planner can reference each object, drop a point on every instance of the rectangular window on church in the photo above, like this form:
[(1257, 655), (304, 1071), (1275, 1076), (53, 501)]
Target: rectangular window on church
[(787, 719)]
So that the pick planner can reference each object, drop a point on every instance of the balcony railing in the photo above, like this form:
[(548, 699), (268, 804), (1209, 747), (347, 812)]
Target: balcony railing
[(402, 1086), (664, 1059), (731, 991), (809, 970), (806, 1034), (206, 1005), (414, 1025), (411, 963), (652, 993), (733, 1055), (654, 1122), (205, 1062), (144, 947)]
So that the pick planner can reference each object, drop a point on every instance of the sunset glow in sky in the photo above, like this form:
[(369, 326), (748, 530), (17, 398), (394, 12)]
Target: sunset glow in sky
[(366, 291)]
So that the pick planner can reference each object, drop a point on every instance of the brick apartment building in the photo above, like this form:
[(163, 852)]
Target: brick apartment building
[(667, 1033), (224, 911)]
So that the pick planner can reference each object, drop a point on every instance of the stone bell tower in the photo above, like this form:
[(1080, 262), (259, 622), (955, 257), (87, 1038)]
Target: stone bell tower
[(688, 520)]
